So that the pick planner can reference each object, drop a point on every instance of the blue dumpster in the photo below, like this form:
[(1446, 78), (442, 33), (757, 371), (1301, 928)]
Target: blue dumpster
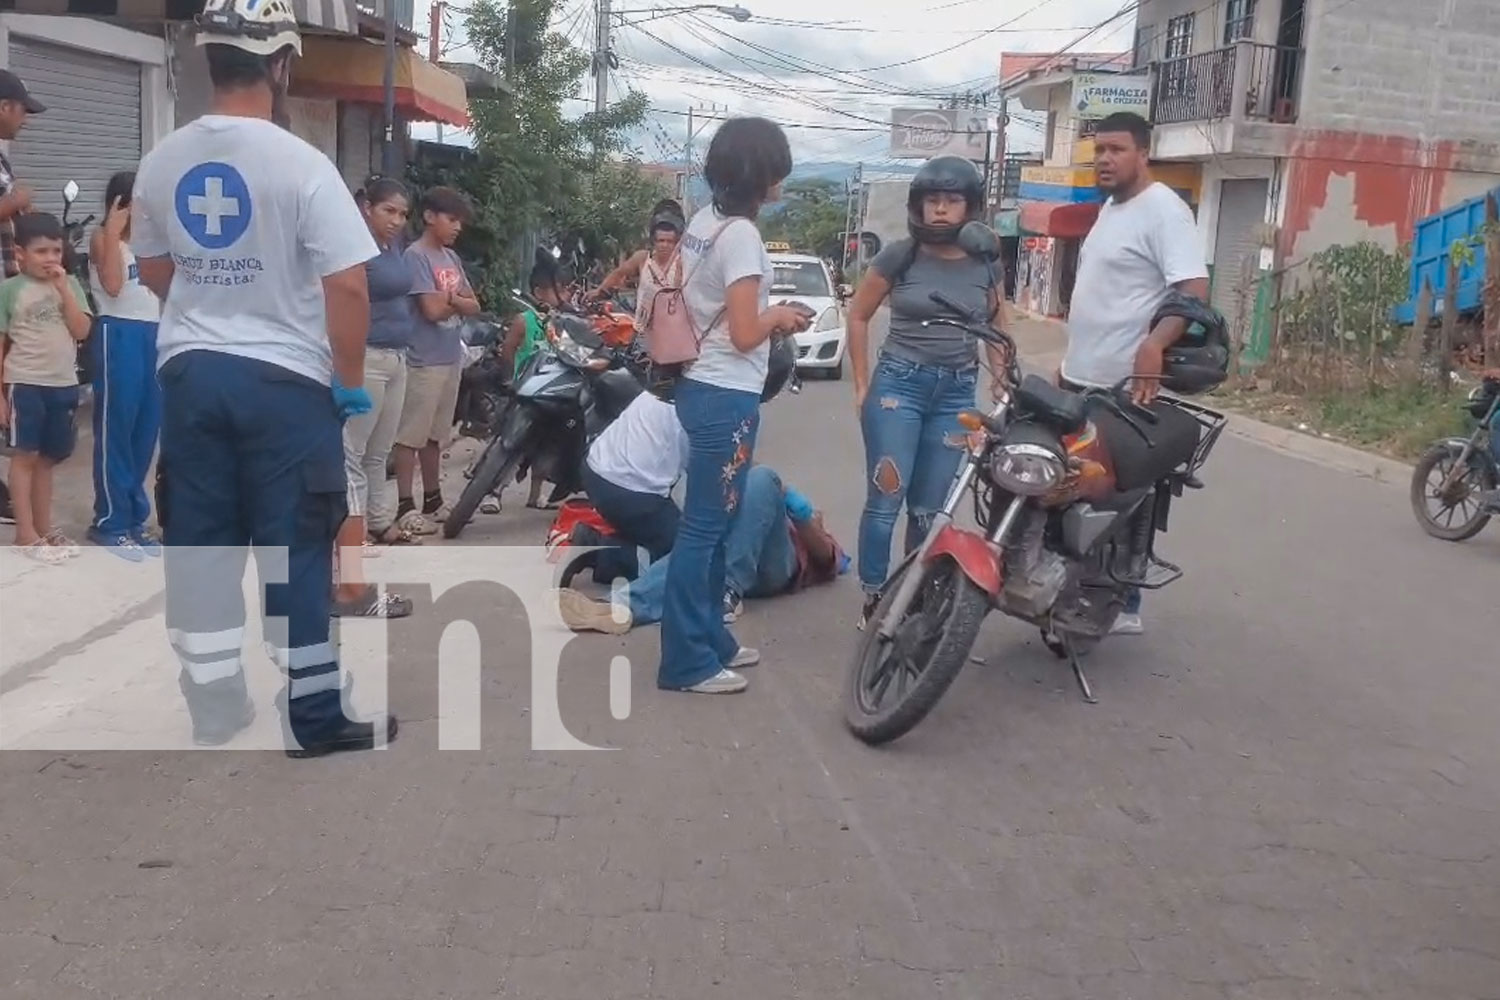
[(1433, 238)]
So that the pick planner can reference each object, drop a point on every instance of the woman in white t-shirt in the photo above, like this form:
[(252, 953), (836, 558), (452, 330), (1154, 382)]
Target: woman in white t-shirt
[(127, 399), (727, 294)]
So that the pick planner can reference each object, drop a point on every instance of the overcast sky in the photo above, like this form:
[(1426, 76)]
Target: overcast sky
[(829, 72)]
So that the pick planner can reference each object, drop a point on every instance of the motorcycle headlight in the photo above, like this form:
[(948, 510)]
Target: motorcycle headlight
[(572, 350), (828, 321), (1026, 469)]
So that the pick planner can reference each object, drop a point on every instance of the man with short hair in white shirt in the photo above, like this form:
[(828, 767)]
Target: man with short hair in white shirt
[(1144, 244), (629, 474), (254, 244)]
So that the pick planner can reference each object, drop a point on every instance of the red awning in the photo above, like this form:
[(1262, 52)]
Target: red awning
[(1059, 219)]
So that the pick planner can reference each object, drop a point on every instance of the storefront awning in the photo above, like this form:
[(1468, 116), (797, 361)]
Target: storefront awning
[(1058, 219), (336, 16), (354, 70)]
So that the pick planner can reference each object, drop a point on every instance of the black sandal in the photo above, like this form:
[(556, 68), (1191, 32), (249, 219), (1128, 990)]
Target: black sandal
[(372, 604)]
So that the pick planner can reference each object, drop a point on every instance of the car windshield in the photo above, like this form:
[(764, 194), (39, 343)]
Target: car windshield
[(800, 278)]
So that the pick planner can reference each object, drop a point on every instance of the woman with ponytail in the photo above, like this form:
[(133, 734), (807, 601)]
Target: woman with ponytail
[(368, 437)]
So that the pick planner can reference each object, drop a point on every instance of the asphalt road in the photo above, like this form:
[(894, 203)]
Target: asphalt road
[(1287, 792)]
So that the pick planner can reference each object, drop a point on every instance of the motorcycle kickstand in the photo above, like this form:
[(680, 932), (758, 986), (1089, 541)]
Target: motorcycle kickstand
[(1083, 681)]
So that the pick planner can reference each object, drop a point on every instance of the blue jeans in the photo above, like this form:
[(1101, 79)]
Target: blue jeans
[(640, 520), (760, 560), (721, 425), (913, 447), (127, 417)]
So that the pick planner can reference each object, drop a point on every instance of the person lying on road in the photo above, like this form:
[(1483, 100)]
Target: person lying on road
[(777, 544)]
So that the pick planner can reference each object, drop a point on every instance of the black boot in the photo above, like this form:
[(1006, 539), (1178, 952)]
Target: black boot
[(346, 735), (220, 709), (320, 726)]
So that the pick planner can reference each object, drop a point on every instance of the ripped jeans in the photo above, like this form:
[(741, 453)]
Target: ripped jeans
[(913, 447)]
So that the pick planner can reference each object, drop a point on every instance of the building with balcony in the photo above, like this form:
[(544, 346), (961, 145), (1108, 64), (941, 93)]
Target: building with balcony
[(1320, 122), (119, 75), (1058, 198)]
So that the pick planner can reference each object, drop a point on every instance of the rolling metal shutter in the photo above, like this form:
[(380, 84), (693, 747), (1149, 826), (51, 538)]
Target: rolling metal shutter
[(92, 127), (1242, 209)]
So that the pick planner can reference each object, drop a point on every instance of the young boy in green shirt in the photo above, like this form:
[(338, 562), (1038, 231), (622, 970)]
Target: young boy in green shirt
[(43, 317)]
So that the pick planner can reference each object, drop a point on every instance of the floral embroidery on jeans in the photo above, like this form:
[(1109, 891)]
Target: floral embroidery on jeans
[(732, 468)]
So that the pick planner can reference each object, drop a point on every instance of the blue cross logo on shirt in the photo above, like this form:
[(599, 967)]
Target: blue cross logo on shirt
[(213, 205)]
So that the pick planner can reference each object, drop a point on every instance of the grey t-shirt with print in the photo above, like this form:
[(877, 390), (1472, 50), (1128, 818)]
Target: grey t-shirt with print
[(434, 269), (967, 281)]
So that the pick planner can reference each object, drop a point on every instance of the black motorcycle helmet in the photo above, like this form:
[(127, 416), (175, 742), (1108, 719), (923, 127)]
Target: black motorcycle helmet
[(943, 173), (1199, 360), (780, 364)]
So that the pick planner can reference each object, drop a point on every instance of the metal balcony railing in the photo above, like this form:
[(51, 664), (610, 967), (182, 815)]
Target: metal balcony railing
[(1242, 81), (405, 11)]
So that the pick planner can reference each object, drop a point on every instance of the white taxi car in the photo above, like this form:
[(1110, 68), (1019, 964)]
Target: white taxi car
[(805, 278)]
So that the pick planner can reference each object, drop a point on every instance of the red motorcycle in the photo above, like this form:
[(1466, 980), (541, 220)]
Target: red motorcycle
[(1069, 490)]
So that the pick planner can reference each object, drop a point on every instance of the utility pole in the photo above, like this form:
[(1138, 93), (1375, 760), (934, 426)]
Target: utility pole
[(687, 170), (388, 165), (858, 219), (692, 134), (601, 57), (434, 42)]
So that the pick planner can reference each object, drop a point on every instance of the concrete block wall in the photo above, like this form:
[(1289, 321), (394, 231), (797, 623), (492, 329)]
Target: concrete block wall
[(1422, 70)]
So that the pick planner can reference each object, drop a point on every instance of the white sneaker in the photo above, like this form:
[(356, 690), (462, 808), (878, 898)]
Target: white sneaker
[(723, 682), (746, 657), (1127, 625)]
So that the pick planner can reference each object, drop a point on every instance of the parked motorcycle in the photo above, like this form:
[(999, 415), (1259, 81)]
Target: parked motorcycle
[(1455, 473), (562, 398), (76, 263), (481, 388), (1069, 491)]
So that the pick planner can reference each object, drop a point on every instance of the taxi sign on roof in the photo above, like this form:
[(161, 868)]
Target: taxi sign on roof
[(778, 247)]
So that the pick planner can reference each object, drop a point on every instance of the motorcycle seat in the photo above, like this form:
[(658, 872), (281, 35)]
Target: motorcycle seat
[(1058, 408), (1175, 437)]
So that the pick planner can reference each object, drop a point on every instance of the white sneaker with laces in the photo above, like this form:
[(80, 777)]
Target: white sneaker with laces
[(746, 657), (723, 682), (1127, 625)]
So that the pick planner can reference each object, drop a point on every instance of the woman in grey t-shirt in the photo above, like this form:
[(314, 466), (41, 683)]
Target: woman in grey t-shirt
[(924, 376)]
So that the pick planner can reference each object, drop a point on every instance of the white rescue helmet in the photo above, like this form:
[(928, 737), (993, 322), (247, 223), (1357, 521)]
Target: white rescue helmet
[(263, 27)]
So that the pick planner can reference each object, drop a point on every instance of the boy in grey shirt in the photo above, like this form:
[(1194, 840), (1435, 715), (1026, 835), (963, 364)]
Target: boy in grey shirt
[(434, 358)]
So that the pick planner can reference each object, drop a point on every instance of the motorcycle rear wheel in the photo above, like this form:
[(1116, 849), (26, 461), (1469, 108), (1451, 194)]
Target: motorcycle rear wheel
[(921, 661), (496, 466), (1430, 472)]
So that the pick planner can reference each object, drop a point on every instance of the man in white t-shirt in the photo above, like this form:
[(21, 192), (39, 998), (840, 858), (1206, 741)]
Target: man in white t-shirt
[(629, 474), (257, 249), (1144, 244)]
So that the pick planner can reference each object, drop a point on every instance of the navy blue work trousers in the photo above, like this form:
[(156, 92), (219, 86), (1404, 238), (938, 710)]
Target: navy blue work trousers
[(252, 455)]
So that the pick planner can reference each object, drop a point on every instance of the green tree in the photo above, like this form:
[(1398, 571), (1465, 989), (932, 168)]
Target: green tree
[(535, 165), (609, 213), (813, 213)]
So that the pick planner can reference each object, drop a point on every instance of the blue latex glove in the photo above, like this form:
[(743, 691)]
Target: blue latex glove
[(351, 402), (844, 562), (798, 506)]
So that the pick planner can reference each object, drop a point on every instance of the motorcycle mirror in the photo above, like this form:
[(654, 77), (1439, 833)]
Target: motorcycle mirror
[(70, 193), (979, 240)]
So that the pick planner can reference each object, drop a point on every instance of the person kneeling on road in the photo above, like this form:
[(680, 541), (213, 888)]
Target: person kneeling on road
[(631, 469), (777, 545)]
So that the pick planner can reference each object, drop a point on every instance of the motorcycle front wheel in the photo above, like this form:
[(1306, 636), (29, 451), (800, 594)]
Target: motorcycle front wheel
[(496, 466), (892, 685), (1460, 514)]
